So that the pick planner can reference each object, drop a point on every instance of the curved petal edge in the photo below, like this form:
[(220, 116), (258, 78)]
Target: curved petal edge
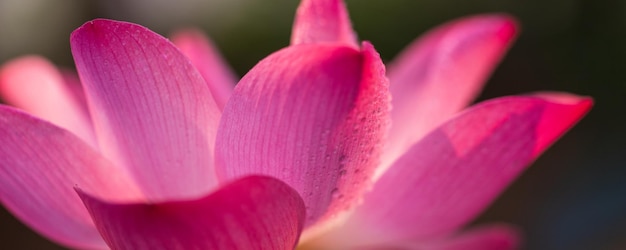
[(313, 116), (152, 111), (203, 54), (323, 21), (35, 85), (254, 212)]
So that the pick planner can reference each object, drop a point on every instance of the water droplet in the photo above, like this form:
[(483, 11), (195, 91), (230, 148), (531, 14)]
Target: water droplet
[(342, 172), (335, 193), (343, 160)]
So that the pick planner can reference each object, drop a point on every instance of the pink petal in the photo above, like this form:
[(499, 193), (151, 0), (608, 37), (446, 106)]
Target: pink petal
[(40, 166), (251, 213), (152, 111), (312, 116), (440, 74), (493, 237), (322, 21), (76, 88), (457, 170), (202, 53), (33, 84)]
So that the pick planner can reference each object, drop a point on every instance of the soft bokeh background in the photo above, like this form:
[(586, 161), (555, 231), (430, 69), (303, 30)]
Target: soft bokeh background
[(574, 197)]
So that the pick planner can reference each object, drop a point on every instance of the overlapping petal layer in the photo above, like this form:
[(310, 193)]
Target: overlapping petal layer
[(40, 165), (202, 53), (33, 84), (452, 174), (440, 74), (323, 21), (312, 116), (152, 111), (251, 213)]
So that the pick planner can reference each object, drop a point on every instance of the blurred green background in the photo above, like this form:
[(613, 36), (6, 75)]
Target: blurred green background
[(574, 197)]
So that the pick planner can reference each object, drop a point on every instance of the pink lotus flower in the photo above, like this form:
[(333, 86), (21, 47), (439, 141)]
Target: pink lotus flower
[(306, 149)]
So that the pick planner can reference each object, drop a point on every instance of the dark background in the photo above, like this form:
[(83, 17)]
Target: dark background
[(573, 197)]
